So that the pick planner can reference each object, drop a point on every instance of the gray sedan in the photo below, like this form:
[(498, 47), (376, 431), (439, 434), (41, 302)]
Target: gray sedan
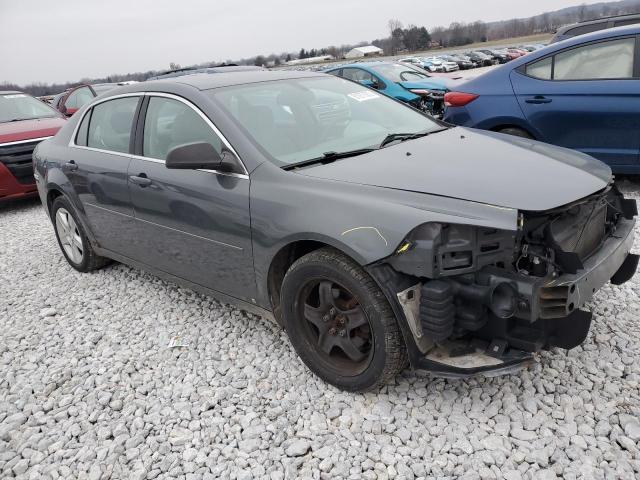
[(376, 235)]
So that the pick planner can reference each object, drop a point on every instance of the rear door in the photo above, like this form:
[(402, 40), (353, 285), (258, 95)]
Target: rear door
[(193, 224), (97, 169), (586, 98)]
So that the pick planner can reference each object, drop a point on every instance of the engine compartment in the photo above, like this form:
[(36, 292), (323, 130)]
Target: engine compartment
[(519, 289)]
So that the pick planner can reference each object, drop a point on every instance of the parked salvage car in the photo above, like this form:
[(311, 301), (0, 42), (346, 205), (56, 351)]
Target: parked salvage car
[(24, 122), (583, 93), (464, 63), (427, 65), (70, 101), (589, 26), (373, 233), (402, 81), (481, 59), (500, 55), (447, 66)]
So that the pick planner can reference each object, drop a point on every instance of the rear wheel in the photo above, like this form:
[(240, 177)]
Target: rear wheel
[(340, 322), (516, 132), (72, 238)]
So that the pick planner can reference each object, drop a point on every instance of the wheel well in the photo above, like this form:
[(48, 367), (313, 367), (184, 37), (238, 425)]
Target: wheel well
[(51, 197), (279, 266), (502, 127)]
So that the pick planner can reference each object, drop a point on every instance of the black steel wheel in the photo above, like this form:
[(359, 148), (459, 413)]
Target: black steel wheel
[(340, 322)]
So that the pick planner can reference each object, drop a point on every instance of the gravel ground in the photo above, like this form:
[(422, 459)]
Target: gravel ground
[(90, 389)]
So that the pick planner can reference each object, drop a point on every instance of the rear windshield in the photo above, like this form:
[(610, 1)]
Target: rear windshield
[(20, 106)]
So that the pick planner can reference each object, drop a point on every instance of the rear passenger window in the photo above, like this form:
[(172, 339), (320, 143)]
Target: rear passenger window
[(170, 123), (110, 125), (612, 59), (83, 129), (540, 69)]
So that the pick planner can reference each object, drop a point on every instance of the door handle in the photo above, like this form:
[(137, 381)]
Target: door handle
[(538, 100), (71, 166), (140, 180)]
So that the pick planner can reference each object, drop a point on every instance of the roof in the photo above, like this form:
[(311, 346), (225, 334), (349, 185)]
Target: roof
[(597, 35), (204, 81), (367, 49), (592, 21), (9, 92)]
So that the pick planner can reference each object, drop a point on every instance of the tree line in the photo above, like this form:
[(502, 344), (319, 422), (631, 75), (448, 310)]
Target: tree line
[(399, 39)]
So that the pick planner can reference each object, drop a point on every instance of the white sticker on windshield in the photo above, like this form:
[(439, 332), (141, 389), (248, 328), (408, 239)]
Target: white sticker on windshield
[(364, 95), (15, 95)]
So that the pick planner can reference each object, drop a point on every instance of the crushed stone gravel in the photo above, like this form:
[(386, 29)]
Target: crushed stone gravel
[(90, 390)]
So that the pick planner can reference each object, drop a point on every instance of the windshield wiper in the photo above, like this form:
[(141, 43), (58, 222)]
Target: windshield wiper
[(392, 137), (328, 157)]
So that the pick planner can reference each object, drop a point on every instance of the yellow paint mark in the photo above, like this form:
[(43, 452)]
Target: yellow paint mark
[(404, 248), (366, 228)]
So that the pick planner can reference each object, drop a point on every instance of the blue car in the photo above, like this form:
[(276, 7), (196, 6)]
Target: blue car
[(401, 81), (582, 93)]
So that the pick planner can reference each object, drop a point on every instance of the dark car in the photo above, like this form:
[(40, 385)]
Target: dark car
[(373, 233), (481, 59), (590, 26), (583, 93), (193, 70), (24, 122), (462, 61), (500, 55)]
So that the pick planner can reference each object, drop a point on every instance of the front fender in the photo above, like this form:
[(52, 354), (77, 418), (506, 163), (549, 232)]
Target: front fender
[(365, 222)]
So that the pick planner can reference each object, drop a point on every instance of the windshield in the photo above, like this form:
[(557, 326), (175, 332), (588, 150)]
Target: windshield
[(399, 73), (20, 106), (300, 119)]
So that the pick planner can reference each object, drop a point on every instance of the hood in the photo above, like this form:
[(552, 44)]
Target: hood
[(431, 84), (28, 129), (477, 166)]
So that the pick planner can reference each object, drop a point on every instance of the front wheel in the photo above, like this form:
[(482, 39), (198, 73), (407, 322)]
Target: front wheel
[(340, 322)]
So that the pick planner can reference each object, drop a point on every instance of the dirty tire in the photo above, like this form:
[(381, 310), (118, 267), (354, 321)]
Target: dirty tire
[(90, 259), (516, 132), (387, 354)]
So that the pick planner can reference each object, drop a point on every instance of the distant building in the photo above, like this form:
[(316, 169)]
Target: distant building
[(367, 51), (302, 61)]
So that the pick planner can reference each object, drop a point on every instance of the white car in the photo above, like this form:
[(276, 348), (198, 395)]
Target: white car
[(446, 65)]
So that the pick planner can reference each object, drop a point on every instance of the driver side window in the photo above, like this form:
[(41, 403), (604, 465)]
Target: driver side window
[(170, 123)]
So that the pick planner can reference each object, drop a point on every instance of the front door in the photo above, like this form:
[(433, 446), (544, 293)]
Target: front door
[(193, 224), (587, 99)]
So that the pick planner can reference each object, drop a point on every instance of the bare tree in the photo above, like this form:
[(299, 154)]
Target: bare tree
[(395, 26)]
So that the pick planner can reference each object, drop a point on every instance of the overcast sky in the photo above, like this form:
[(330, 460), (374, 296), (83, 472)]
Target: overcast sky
[(65, 40)]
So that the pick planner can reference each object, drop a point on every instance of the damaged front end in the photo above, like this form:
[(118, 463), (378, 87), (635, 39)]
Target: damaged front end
[(481, 300)]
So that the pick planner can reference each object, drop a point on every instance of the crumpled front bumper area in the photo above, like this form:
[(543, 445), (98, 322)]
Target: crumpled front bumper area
[(546, 313)]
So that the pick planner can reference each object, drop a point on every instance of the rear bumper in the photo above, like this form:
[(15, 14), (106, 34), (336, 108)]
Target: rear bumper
[(11, 189)]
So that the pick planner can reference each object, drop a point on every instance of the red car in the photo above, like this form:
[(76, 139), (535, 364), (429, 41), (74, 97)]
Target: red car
[(24, 122)]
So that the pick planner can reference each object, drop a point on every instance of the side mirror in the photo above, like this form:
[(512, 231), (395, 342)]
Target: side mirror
[(192, 156)]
